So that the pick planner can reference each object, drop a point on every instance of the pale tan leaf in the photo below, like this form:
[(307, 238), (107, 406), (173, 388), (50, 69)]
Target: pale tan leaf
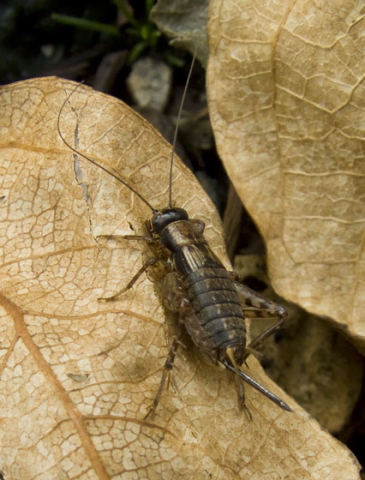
[(286, 90), (78, 375)]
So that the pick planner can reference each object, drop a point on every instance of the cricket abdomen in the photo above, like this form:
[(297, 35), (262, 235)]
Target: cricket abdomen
[(218, 322)]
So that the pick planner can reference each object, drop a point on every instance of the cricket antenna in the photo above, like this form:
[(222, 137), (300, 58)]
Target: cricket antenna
[(177, 125), (106, 169)]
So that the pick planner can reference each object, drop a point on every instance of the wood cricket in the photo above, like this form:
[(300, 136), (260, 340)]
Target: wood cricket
[(210, 301)]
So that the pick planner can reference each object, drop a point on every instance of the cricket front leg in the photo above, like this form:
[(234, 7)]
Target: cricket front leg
[(149, 262)]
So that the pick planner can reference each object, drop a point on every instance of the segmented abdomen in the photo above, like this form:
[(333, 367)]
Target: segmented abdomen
[(216, 304), (219, 320)]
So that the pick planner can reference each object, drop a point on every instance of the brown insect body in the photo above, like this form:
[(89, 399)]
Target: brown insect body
[(207, 298), (214, 320)]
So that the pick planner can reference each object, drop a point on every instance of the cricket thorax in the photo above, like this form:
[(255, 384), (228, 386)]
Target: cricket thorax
[(181, 233)]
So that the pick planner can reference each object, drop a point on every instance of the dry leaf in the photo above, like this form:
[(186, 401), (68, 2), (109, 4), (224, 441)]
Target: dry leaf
[(77, 375), (285, 84)]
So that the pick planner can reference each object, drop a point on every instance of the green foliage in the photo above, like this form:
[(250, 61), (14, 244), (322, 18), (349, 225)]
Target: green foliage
[(143, 33), (86, 24)]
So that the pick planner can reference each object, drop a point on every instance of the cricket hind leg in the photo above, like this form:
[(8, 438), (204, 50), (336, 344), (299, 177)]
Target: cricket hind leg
[(257, 306)]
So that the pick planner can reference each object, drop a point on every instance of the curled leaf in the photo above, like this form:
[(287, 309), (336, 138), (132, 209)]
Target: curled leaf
[(286, 89)]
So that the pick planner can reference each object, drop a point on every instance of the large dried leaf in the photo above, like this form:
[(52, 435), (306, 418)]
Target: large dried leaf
[(78, 375), (286, 96)]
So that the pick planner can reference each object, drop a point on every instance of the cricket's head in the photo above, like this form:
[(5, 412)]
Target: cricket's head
[(162, 218)]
